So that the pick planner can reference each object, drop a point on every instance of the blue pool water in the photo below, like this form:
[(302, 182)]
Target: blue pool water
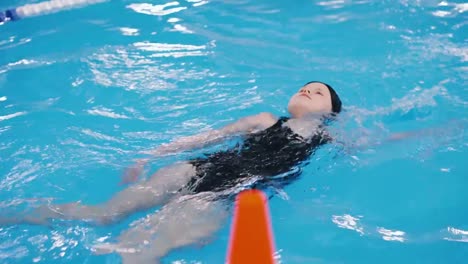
[(83, 91)]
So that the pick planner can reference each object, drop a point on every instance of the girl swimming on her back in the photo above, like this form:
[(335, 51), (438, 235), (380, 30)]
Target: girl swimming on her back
[(193, 193)]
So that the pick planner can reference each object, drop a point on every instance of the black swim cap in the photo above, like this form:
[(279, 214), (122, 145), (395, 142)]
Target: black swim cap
[(335, 99)]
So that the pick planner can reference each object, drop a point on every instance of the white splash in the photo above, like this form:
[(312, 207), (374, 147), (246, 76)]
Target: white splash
[(23, 172), (161, 47), (27, 62), (133, 69), (156, 10), (23, 63), (461, 8), (182, 29), (6, 117), (416, 98), (457, 235), (390, 235), (277, 256), (106, 113), (102, 239), (97, 135), (178, 54), (173, 20), (441, 13), (200, 3), (126, 31), (77, 82), (348, 222), (439, 44), (182, 261), (332, 3), (171, 50)]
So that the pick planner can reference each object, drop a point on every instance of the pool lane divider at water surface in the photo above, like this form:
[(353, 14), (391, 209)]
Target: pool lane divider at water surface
[(251, 238), (43, 8)]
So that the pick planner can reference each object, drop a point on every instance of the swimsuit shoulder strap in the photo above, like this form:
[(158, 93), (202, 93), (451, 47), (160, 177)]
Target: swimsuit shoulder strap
[(280, 122), (282, 119)]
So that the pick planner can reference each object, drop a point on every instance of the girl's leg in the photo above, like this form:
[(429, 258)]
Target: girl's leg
[(158, 189), (182, 222)]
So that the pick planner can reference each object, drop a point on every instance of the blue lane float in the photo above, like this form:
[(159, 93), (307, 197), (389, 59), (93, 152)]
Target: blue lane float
[(9, 15), (43, 8)]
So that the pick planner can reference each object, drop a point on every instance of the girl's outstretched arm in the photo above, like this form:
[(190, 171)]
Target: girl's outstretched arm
[(440, 132), (242, 126)]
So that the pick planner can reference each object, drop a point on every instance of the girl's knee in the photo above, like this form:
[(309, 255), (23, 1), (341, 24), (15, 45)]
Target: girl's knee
[(176, 175)]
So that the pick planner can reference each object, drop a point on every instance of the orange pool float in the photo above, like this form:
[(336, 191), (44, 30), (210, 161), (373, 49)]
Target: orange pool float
[(251, 239)]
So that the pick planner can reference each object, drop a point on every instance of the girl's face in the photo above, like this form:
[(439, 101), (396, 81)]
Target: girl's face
[(312, 98)]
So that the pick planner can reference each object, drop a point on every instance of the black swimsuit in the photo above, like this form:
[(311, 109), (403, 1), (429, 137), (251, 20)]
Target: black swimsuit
[(263, 155)]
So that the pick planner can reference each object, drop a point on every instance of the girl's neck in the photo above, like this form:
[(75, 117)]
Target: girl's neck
[(305, 127), (309, 117)]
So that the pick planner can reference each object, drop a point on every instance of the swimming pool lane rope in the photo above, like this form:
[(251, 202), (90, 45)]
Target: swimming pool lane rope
[(43, 8)]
